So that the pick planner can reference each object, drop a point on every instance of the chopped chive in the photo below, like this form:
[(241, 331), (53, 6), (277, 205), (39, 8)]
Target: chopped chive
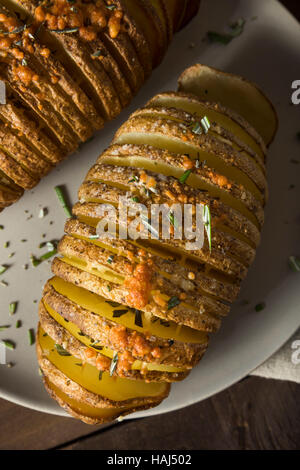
[(65, 31), (113, 364), (213, 36), (185, 176), (31, 336), (9, 344), (119, 313), (207, 223), (111, 7), (173, 302), (197, 129), (61, 351), (294, 263), (96, 54), (93, 237), (135, 199), (62, 200), (110, 259), (4, 327), (100, 375), (112, 303), (42, 213), (259, 307), (138, 320), (18, 324), (205, 124), (3, 283), (12, 308), (6, 245), (3, 269), (1, 227)]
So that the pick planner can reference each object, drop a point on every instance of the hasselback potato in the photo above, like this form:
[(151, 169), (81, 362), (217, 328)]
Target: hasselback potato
[(68, 67), (123, 318)]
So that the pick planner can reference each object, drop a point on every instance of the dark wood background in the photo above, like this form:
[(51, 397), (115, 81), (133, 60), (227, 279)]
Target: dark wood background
[(253, 414)]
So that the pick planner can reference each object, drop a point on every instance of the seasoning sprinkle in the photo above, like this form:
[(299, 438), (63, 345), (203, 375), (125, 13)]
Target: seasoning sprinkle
[(18, 324)]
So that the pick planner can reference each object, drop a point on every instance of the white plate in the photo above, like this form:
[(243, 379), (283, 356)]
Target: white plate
[(267, 53)]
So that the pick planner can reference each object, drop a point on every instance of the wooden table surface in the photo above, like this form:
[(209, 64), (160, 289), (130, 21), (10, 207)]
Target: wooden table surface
[(253, 414)]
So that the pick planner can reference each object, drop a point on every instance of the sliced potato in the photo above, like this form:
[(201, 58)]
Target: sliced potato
[(83, 347), (85, 385), (236, 93)]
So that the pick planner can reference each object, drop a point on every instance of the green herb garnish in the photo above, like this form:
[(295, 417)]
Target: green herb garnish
[(185, 176), (259, 307), (294, 263), (100, 375), (12, 308), (3, 269), (110, 259), (9, 344), (4, 327), (61, 351), (205, 123), (207, 223), (62, 200), (18, 324), (173, 302), (31, 337), (119, 313), (113, 364), (236, 30), (138, 320)]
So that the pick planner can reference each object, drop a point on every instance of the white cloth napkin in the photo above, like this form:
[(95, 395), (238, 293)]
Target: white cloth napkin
[(285, 364)]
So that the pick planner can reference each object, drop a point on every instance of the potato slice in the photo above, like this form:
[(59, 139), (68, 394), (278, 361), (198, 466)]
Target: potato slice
[(228, 119), (251, 174), (83, 347), (83, 383), (86, 413), (136, 34), (203, 178), (234, 92), (99, 318), (191, 277), (16, 116), (108, 180), (13, 146)]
